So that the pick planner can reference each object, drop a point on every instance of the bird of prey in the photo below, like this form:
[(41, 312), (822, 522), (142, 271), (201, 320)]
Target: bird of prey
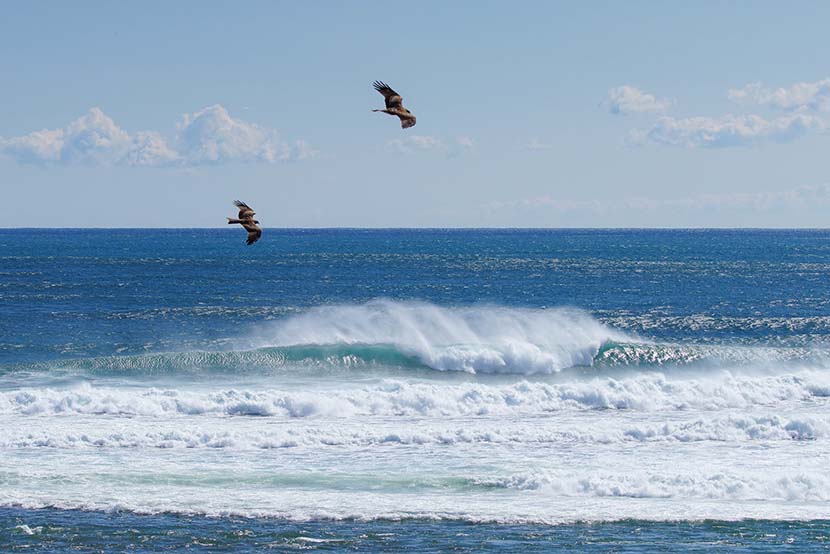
[(394, 105), (246, 219)]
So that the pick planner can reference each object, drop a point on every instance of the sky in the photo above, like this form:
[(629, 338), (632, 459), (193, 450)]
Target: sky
[(530, 114)]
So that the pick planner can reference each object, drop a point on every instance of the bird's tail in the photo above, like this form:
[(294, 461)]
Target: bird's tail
[(232, 221)]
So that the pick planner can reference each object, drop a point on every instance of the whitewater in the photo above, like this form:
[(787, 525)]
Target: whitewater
[(400, 395), (407, 409)]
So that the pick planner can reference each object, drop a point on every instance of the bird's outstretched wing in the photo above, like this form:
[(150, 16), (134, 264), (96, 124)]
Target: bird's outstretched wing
[(393, 99), (245, 211), (254, 232)]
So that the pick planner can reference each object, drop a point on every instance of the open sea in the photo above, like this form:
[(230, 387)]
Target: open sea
[(415, 390)]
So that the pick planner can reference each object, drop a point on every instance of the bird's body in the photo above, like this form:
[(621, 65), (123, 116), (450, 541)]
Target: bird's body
[(246, 219), (394, 105)]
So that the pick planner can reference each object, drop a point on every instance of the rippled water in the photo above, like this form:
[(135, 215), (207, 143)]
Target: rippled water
[(525, 389)]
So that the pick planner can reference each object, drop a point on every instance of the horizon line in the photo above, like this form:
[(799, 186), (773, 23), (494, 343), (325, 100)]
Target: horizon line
[(345, 228)]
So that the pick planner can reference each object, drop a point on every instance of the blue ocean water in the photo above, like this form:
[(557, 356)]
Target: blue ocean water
[(367, 390)]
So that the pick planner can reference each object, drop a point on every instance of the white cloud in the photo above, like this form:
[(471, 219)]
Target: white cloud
[(798, 97), (626, 99), (536, 145), (419, 142), (38, 146), (750, 91), (149, 148), (425, 143), (729, 130), (94, 138), (210, 135), (91, 139)]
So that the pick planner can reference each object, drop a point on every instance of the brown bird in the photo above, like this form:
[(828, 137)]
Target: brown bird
[(394, 105), (246, 219)]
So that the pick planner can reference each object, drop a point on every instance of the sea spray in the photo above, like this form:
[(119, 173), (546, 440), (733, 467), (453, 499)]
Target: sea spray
[(485, 339)]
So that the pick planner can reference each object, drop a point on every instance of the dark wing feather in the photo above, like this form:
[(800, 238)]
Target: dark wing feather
[(393, 99), (254, 232), (245, 211), (253, 236)]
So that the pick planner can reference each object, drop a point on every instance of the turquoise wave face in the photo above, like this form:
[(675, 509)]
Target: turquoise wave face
[(260, 361), (392, 360)]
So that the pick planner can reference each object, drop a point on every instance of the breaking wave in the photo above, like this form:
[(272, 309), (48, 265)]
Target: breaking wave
[(411, 336), (476, 340), (644, 392)]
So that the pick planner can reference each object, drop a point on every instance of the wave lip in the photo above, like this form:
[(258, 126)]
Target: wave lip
[(474, 339)]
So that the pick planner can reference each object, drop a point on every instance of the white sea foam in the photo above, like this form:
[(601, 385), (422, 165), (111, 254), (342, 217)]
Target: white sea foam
[(521, 498), (235, 434), (716, 485), (745, 434), (643, 392)]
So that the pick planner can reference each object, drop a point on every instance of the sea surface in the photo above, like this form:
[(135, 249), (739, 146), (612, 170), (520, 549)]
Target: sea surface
[(415, 390)]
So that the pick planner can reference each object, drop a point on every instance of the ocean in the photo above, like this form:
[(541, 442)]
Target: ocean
[(415, 390)]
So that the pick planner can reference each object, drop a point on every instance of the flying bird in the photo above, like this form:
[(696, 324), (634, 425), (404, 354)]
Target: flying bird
[(246, 219), (394, 105)]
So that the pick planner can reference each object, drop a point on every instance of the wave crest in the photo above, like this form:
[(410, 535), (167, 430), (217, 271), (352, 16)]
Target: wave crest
[(475, 340), (409, 335)]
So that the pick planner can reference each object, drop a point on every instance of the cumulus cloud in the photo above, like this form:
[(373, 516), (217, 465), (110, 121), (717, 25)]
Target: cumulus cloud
[(728, 130), (38, 146), (626, 99), (425, 143), (92, 138), (208, 136), (150, 149), (211, 135), (798, 97)]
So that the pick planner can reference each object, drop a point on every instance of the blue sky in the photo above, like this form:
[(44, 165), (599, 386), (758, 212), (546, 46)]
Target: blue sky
[(542, 114)]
